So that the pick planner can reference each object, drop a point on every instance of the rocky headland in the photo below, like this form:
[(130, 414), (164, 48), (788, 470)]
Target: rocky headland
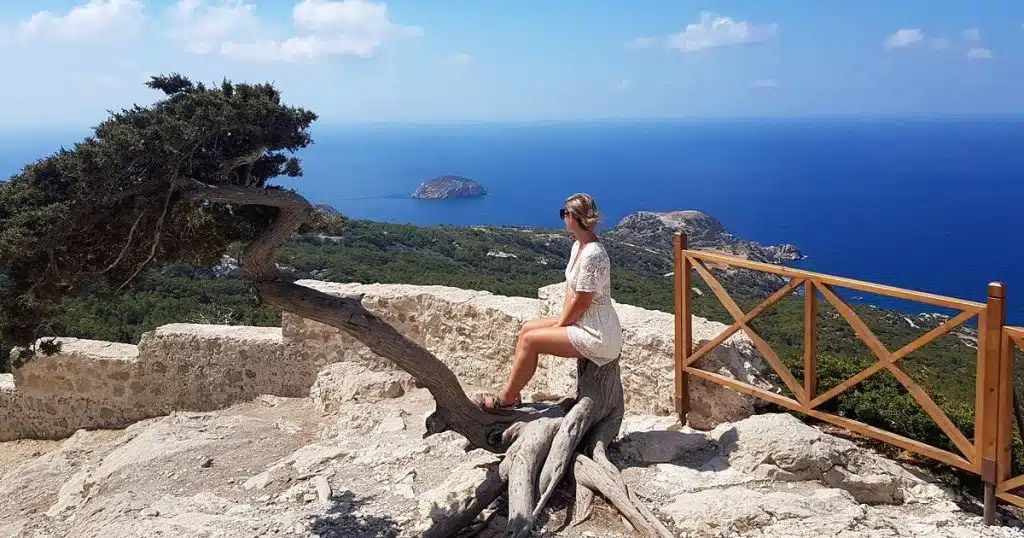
[(654, 232), (704, 232)]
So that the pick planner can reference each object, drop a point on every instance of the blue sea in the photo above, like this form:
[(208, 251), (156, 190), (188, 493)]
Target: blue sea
[(931, 205)]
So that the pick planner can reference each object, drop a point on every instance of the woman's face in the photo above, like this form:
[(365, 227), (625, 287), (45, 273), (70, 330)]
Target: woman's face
[(569, 221)]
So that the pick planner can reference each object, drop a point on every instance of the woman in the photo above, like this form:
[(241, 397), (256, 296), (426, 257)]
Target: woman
[(588, 327)]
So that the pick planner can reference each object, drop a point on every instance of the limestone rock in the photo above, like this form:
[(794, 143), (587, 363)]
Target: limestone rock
[(312, 457), (740, 511), (443, 501), (779, 447), (765, 476), (71, 495), (359, 418), (355, 382)]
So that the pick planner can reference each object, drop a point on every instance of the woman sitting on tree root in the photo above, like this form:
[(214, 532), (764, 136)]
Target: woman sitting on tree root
[(588, 327)]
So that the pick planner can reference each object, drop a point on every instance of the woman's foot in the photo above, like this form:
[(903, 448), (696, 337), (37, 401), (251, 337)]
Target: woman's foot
[(492, 401)]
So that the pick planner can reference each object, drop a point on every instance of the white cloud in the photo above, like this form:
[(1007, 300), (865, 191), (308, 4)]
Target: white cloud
[(938, 43), (203, 26), (321, 28), (979, 53), (460, 58), (713, 31), (904, 37), (94, 19), (972, 34), (639, 43), (765, 83)]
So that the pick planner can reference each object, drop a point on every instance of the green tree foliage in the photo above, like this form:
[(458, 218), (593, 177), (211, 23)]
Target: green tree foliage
[(93, 217)]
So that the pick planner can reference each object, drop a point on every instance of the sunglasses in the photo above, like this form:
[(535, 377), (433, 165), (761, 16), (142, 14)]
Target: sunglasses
[(563, 212)]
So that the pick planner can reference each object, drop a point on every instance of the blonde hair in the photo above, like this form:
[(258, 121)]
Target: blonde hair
[(584, 209)]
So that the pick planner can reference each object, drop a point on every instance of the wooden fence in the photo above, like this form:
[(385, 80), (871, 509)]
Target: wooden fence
[(988, 454)]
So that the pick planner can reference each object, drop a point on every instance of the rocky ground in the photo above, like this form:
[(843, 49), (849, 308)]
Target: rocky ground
[(350, 461)]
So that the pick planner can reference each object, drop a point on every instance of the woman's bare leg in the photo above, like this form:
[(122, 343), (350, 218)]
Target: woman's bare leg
[(534, 324), (546, 340)]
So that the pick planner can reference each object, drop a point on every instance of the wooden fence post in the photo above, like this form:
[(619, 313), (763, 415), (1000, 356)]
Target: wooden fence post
[(684, 332), (990, 414), (810, 342)]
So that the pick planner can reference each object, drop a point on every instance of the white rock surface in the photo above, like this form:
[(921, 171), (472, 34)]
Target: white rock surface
[(344, 382), (455, 492), (284, 467)]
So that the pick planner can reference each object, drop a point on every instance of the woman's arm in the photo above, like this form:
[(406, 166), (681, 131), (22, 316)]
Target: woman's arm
[(575, 307), (587, 282)]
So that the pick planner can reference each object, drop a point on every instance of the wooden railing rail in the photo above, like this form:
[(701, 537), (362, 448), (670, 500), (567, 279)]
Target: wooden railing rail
[(987, 455)]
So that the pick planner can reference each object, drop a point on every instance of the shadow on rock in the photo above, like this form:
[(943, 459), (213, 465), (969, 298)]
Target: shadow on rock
[(690, 449), (344, 519)]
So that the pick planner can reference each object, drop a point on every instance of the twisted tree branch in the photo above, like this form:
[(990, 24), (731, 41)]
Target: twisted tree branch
[(454, 409), (127, 243), (158, 234)]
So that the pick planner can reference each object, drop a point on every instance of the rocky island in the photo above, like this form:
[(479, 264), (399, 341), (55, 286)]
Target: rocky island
[(449, 187)]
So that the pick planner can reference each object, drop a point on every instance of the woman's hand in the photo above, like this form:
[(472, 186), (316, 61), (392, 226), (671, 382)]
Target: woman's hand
[(577, 305)]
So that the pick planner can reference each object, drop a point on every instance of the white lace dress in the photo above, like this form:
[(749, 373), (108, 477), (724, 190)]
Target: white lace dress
[(597, 335)]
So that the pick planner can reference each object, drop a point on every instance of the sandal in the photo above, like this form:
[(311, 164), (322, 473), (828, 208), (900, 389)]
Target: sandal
[(489, 401)]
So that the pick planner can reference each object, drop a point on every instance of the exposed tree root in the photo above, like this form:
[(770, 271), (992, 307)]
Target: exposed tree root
[(548, 450), (524, 462), (583, 505), (594, 476)]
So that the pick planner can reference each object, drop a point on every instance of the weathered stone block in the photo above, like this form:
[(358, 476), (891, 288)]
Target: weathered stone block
[(92, 384), (86, 368), (204, 367)]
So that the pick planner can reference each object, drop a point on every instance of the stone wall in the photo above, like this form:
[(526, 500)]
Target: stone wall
[(92, 384), (472, 332)]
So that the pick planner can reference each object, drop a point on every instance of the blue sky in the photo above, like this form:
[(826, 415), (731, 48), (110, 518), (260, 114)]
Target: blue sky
[(69, 61)]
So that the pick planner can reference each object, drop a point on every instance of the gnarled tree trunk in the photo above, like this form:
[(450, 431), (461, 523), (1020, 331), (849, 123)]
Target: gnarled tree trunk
[(543, 444)]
